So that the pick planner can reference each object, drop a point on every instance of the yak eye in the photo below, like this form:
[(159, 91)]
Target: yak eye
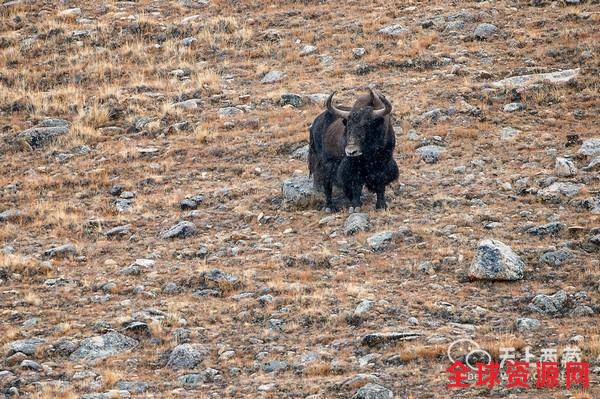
[(345, 122)]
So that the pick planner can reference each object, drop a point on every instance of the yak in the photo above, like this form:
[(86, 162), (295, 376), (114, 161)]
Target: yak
[(351, 147)]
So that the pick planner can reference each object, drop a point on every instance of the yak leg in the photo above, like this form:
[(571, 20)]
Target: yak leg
[(380, 204), (329, 177)]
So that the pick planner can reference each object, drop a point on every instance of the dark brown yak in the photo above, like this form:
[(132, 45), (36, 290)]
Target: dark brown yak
[(354, 146)]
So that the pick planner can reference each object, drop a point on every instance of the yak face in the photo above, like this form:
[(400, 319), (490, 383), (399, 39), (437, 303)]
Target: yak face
[(364, 125), (363, 131)]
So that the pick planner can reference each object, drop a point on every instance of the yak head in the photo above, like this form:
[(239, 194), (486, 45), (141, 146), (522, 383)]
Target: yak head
[(364, 123)]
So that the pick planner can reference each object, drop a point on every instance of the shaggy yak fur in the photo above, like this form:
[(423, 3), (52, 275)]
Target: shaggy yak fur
[(353, 146)]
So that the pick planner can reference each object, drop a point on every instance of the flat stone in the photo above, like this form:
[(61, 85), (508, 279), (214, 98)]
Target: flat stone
[(103, 346), (291, 99), (373, 391), (118, 231), (522, 81), (299, 191), (229, 111), (590, 148), (564, 167), (308, 49), (485, 31), (393, 30), (192, 103), (557, 190), (356, 222), (27, 346), (272, 77), (556, 258), (509, 133), (547, 229), (183, 229), (431, 153), (187, 356), (513, 107), (37, 137), (527, 324)]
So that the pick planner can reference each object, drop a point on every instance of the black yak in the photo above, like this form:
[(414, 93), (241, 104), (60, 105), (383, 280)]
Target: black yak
[(353, 146)]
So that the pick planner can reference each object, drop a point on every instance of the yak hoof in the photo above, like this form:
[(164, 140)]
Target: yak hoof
[(355, 209)]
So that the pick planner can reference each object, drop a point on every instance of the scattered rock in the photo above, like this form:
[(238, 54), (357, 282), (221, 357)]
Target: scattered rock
[(27, 346), (509, 133), (564, 167), (102, 346), (495, 260), (272, 77), (183, 229), (133, 386), (557, 190), (118, 231), (547, 229), (229, 111), (11, 215), (430, 153), (513, 107), (41, 135), (393, 30), (186, 356), (307, 50), (593, 166), (112, 394), (556, 258), (549, 304), (358, 52), (301, 153), (373, 391), (523, 81), (590, 148), (356, 222), (527, 324), (299, 191), (291, 99), (485, 31), (192, 103), (275, 366), (385, 239), (218, 279)]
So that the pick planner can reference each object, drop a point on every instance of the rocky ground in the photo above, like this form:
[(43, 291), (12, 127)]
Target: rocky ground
[(159, 236)]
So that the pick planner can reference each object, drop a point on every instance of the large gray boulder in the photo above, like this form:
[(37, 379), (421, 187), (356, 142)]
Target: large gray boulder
[(299, 191), (186, 356), (373, 391), (356, 222), (495, 260), (549, 304), (103, 346)]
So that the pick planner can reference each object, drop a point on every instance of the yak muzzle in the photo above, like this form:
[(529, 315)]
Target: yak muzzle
[(353, 150)]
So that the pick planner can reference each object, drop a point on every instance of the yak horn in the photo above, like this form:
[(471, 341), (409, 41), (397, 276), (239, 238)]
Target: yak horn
[(384, 111), (336, 111)]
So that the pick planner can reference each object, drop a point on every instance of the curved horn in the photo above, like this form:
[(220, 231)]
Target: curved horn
[(384, 111), (336, 111)]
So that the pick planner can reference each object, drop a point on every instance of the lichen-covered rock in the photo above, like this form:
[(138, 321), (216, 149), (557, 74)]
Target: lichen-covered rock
[(299, 191), (186, 356), (495, 260), (103, 346)]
